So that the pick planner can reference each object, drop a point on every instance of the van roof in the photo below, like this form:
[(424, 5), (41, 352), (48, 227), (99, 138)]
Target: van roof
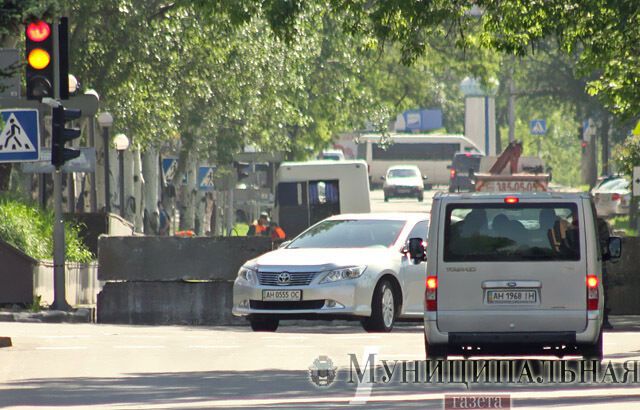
[(523, 195), (346, 162)]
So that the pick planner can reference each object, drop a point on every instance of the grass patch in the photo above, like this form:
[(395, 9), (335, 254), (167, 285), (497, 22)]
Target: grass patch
[(621, 223), (30, 229)]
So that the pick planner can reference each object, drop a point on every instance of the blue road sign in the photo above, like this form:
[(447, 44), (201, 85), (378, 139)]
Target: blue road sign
[(19, 135), (538, 127), (206, 178), (169, 168)]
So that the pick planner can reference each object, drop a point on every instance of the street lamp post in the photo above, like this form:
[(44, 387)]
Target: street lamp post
[(105, 120), (122, 143)]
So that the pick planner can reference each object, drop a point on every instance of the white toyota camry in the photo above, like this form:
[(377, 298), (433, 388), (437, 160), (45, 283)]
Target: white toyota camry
[(353, 266)]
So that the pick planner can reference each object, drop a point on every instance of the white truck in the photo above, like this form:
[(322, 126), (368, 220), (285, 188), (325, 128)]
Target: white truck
[(308, 192)]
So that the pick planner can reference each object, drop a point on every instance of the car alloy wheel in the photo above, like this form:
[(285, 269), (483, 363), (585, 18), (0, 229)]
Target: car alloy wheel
[(388, 307), (383, 309)]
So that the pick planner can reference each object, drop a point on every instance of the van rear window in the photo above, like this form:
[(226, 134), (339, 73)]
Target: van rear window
[(522, 232)]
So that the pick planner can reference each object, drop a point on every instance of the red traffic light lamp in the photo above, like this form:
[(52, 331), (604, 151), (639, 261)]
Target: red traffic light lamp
[(39, 56)]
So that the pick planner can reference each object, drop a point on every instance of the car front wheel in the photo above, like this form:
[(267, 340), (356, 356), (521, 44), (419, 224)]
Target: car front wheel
[(383, 309), (264, 324)]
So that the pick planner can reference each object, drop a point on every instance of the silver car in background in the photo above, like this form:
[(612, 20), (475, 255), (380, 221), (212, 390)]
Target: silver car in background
[(612, 197), (350, 266)]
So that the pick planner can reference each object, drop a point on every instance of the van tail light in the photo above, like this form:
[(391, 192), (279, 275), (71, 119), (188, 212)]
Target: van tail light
[(615, 197), (592, 292), (431, 294), (452, 173)]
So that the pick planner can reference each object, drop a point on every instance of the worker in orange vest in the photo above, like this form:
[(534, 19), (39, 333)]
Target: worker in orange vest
[(277, 233), (260, 227)]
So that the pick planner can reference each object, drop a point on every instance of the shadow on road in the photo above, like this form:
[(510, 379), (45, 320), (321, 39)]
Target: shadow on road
[(286, 389)]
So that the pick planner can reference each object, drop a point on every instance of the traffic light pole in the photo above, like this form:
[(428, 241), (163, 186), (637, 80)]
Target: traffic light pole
[(59, 285)]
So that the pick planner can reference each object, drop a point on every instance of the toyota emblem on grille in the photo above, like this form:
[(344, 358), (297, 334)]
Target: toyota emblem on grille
[(284, 278)]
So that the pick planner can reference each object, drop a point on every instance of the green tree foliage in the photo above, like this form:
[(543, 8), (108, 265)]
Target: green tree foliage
[(627, 155)]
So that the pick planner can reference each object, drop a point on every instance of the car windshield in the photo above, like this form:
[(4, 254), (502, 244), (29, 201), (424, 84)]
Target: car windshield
[(350, 233), (403, 173), (466, 162), (526, 232)]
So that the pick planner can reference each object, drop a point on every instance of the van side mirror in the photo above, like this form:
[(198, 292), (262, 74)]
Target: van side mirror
[(448, 166), (615, 248), (417, 251), (382, 178), (424, 177)]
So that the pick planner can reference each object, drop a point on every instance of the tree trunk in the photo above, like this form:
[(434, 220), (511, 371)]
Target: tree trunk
[(150, 171), (138, 189), (5, 177)]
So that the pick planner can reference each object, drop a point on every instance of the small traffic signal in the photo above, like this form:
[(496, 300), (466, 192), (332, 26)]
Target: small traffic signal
[(63, 54), (242, 169), (39, 56), (60, 135)]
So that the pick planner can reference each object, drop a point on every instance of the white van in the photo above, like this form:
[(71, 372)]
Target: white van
[(308, 192), (512, 273)]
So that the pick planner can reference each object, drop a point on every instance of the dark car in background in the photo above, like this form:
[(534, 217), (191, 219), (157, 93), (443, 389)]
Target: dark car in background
[(462, 166)]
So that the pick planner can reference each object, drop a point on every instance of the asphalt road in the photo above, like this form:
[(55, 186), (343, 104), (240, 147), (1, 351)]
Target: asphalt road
[(84, 366), (401, 204)]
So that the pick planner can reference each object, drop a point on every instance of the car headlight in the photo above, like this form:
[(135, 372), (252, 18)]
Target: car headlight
[(248, 274), (350, 272)]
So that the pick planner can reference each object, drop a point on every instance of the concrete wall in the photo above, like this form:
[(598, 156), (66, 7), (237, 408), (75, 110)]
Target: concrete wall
[(22, 278), (167, 303), (156, 258), (16, 275), (624, 280), (82, 285), (170, 280)]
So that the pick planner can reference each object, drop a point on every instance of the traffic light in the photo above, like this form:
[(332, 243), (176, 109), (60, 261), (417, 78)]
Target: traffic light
[(60, 135), (39, 56), (63, 54), (242, 169)]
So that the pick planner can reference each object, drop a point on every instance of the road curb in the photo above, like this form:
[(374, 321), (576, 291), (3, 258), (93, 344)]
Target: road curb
[(48, 316)]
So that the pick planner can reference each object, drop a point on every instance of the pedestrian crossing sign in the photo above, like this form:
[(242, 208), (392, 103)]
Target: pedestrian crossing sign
[(19, 135), (538, 127), (206, 178)]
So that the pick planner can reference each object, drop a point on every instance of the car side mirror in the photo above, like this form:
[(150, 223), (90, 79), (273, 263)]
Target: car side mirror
[(417, 251), (382, 178), (424, 177), (615, 248), (448, 166)]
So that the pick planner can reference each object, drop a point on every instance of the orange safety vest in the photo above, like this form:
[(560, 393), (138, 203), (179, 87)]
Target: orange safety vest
[(260, 229), (277, 233)]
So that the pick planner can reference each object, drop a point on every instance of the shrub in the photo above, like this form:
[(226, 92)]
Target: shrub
[(30, 229)]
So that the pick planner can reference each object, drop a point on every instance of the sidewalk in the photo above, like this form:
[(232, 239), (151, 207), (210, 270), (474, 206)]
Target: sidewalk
[(627, 323)]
